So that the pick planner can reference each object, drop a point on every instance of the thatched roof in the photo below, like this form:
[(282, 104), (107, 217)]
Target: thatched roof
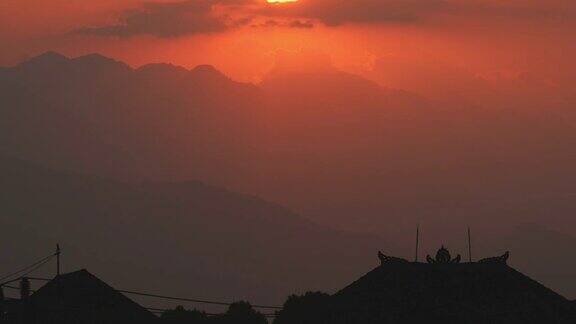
[(449, 292)]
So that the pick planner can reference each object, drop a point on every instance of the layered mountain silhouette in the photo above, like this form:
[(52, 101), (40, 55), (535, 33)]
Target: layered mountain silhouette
[(97, 115), (320, 131), (337, 148), (186, 239)]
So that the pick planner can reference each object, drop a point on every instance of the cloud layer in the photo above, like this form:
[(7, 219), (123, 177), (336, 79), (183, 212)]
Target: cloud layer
[(336, 12), (173, 19)]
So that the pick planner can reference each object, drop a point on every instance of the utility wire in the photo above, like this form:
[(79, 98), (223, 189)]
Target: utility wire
[(34, 266), (161, 311), (25, 268), (192, 300)]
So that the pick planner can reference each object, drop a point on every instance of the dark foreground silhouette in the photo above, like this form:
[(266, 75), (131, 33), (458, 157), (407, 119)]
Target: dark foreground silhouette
[(442, 290), (77, 297), (237, 313), (80, 297)]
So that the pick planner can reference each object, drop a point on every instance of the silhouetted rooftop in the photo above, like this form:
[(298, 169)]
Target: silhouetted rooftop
[(488, 291), (82, 297)]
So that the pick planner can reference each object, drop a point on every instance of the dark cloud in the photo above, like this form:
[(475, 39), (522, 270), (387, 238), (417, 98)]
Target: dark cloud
[(172, 19), (187, 17), (272, 23), (337, 12), (372, 11), (211, 16), (301, 24)]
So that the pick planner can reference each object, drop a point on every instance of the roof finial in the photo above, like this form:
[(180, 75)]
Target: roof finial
[(469, 246), (417, 242), (443, 257)]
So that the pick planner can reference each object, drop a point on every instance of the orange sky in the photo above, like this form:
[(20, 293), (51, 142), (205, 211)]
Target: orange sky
[(496, 55), (244, 38)]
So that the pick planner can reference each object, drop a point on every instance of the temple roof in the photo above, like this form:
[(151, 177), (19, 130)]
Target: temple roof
[(443, 256), (488, 291)]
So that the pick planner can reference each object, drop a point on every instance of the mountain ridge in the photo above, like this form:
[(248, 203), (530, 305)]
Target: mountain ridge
[(198, 231), (337, 149)]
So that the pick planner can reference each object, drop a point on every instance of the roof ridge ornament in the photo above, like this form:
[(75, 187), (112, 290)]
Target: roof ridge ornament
[(503, 259), (387, 259), (443, 257)]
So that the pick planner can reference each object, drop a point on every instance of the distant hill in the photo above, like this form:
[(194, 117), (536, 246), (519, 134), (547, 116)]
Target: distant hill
[(185, 239), (158, 121), (391, 155), (332, 146), (369, 151)]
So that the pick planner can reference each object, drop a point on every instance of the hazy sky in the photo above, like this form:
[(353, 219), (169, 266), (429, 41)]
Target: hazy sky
[(512, 56), (244, 38)]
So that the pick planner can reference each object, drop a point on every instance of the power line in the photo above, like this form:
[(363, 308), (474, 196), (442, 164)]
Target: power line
[(161, 311), (36, 267), (192, 300), (174, 298), (26, 270)]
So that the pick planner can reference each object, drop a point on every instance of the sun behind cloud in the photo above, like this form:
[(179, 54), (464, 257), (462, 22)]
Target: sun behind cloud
[(281, 1)]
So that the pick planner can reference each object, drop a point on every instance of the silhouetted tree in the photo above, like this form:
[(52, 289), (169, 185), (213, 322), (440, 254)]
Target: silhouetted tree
[(179, 315), (311, 308), (240, 313)]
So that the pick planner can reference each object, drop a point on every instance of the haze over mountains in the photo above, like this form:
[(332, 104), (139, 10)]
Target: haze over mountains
[(177, 238), (335, 147)]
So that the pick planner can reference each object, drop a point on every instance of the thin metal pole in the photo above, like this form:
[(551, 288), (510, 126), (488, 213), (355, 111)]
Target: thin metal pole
[(417, 242), (469, 246), (58, 252)]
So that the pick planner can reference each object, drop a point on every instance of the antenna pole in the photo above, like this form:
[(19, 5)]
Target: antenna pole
[(469, 246), (58, 252), (417, 242)]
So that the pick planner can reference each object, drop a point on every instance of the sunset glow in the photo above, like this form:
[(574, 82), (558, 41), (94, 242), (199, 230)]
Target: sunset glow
[(225, 150), (281, 1)]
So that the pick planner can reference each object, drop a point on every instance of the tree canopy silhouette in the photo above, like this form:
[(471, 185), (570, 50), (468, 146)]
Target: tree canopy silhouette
[(240, 313), (180, 315), (310, 308)]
